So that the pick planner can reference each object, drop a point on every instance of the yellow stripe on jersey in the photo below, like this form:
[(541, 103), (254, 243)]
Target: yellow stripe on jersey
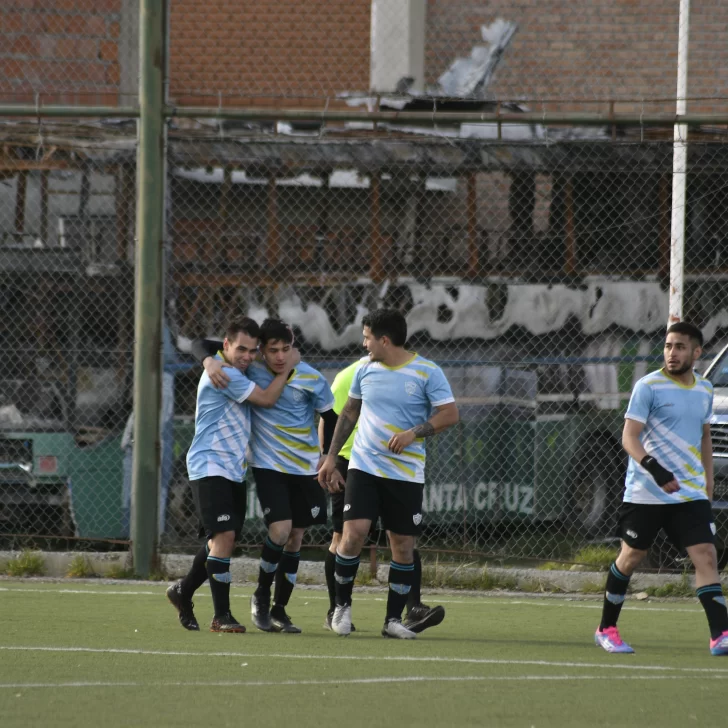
[(294, 459), (401, 466), (302, 446), (294, 430)]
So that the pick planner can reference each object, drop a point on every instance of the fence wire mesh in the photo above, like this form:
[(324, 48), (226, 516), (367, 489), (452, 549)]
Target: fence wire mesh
[(531, 262)]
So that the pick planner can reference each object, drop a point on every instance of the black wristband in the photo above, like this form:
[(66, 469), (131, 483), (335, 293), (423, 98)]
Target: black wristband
[(656, 470)]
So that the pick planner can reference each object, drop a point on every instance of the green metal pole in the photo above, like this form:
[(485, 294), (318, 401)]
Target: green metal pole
[(148, 287)]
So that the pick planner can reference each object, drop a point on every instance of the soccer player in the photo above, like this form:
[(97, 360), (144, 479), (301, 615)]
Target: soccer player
[(419, 616), (285, 457), (392, 396), (216, 468), (669, 484)]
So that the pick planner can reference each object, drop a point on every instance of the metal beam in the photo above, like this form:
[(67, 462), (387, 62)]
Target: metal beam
[(148, 288)]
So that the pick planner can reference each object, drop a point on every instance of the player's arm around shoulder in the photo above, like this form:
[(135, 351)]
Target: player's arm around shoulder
[(271, 394)]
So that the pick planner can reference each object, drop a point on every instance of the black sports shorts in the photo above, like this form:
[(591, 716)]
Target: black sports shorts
[(220, 505), (685, 524), (337, 499), (286, 497), (397, 502)]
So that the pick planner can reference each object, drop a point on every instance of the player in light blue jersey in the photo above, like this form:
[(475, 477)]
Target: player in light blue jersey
[(285, 455), (397, 399), (216, 468), (669, 484)]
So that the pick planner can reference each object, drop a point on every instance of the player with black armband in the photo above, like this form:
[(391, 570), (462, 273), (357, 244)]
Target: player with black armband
[(669, 484)]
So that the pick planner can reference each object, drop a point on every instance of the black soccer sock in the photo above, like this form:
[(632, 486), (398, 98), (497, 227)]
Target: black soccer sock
[(713, 601), (344, 574), (401, 577), (197, 574), (269, 558), (614, 595), (286, 577), (218, 571), (329, 567), (415, 597)]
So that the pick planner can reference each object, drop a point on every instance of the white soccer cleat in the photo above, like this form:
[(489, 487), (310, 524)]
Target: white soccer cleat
[(610, 640), (394, 628), (341, 621)]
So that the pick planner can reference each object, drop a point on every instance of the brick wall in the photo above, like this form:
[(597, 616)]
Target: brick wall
[(605, 49), (249, 48), (67, 49)]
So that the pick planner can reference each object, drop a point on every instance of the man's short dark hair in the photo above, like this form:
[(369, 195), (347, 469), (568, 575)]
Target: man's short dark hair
[(275, 330), (387, 322), (686, 329), (242, 324)]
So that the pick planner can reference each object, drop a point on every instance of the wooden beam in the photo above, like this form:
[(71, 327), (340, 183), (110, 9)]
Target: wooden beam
[(44, 207), (570, 237)]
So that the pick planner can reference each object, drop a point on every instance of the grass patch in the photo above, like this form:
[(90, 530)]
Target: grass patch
[(682, 588), (553, 566), (118, 571), (80, 568), (467, 575), (600, 557), (29, 563), (592, 587), (364, 578)]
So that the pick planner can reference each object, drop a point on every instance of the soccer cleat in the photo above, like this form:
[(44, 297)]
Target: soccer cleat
[(420, 617), (281, 622), (329, 617), (394, 628), (260, 613), (610, 640), (184, 607), (341, 621), (719, 646), (226, 623)]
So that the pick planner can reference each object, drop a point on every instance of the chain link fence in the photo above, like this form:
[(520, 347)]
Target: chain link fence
[(532, 261)]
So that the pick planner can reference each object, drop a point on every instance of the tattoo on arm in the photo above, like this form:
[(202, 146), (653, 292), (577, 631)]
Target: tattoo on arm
[(426, 429), (345, 425)]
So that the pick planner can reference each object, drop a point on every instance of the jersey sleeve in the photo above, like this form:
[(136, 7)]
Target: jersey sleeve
[(323, 399), (240, 387), (355, 389), (341, 386), (640, 403), (709, 412), (438, 389)]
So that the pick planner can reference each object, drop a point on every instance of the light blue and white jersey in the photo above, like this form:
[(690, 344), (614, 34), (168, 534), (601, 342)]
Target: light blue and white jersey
[(284, 436), (673, 416), (395, 399), (222, 428)]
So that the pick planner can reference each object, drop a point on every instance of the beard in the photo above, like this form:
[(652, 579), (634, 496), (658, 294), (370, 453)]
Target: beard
[(680, 370)]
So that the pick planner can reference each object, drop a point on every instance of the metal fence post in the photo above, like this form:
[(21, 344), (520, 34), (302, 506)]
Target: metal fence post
[(148, 286)]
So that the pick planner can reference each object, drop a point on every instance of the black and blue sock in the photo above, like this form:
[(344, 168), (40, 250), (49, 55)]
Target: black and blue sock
[(269, 558), (713, 601), (197, 574), (286, 577), (401, 578), (218, 571), (614, 596), (345, 570)]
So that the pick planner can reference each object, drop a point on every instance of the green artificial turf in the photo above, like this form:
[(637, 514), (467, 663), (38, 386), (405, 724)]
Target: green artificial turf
[(114, 655)]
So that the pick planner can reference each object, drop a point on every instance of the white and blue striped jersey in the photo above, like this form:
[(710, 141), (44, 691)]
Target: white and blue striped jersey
[(395, 399), (222, 428), (284, 436), (673, 416)]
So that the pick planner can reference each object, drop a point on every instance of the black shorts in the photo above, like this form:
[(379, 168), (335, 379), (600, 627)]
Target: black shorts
[(220, 505), (337, 499), (286, 497), (398, 502), (685, 524)]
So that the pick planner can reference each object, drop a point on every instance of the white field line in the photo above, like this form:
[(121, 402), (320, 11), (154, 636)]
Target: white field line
[(486, 601), (355, 681), (368, 658)]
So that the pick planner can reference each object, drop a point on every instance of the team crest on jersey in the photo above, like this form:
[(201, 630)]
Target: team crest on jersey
[(417, 519), (315, 511), (410, 387), (298, 395)]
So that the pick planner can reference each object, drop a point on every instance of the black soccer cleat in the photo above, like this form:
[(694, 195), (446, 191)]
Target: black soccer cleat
[(260, 613), (420, 617), (184, 607), (281, 621), (329, 617), (226, 623)]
